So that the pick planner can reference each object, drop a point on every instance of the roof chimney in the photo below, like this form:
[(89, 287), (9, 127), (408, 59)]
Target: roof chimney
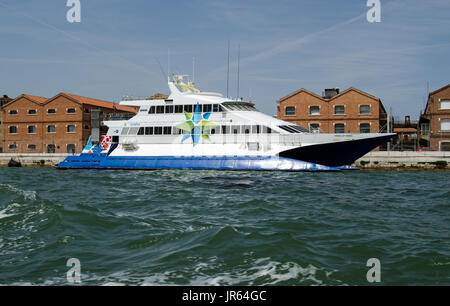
[(330, 93)]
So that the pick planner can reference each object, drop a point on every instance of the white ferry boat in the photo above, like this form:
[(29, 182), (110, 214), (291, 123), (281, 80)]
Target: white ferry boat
[(192, 129)]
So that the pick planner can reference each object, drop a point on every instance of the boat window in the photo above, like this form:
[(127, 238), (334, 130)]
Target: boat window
[(160, 109), (149, 130), (158, 130), (199, 106), (215, 108), (207, 108), (141, 131), (177, 131), (214, 130), (188, 108), (287, 129), (178, 109), (133, 131), (125, 131), (256, 129), (299, 128), (226, 129), (246, 129), (167, 130), (169, 109), (266, 130), (236, 129), (152, 110)]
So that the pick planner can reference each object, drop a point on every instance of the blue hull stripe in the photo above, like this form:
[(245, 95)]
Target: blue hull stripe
[(102, 161)]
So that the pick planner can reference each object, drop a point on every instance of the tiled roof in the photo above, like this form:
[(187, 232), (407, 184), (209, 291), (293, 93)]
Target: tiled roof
[(101, 103), (38, 99)]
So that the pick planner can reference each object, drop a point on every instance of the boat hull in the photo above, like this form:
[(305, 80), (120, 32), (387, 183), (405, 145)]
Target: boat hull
[(267, 163), (336, 154)]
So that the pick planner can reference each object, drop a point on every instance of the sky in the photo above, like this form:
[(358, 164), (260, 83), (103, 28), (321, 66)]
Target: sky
[(121, 48)]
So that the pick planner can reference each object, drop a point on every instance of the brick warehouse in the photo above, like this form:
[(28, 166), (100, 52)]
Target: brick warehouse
[(435, 122), (350, 111), (61, 124), (3, 100)]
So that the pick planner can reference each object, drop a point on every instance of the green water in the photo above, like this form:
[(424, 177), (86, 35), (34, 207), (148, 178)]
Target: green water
[(224, 228)]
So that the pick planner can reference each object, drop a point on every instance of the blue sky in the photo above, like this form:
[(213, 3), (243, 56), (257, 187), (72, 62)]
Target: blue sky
[(285, 45)]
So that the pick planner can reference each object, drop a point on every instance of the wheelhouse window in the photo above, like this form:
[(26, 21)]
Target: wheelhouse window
[(13, 112), (239, 106), (141, 131), (160, 109), (364, 128), (290, 111), (51, 129), (314, 110), (217, 108), (71, 129), (339, 128), (13, 129), (71, 110), (339, 110), (51, 111), (152, 110), (32, 111), (314, 128), (364, 109)]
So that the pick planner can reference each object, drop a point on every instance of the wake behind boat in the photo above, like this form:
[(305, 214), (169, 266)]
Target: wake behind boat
[(204, 130)]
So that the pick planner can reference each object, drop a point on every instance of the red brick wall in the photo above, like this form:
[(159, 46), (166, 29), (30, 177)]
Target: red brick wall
[(436, 115), (351, 99), (61, 138)]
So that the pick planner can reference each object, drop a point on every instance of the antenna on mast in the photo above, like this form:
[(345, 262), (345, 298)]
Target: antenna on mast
[(168, 64), (239, 59), (228, 67), (193, 70)]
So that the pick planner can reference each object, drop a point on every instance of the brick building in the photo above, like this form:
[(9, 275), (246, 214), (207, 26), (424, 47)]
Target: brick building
[(61, 124), (434, 124), (350, 111), (3, 100)]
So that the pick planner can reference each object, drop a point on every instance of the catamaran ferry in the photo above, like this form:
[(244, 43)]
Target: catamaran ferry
[(192, 129)]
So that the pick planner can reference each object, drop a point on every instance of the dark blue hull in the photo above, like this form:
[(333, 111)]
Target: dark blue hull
[(271, 163)]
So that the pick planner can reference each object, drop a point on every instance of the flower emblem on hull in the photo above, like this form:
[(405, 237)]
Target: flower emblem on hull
[(196, 125)]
